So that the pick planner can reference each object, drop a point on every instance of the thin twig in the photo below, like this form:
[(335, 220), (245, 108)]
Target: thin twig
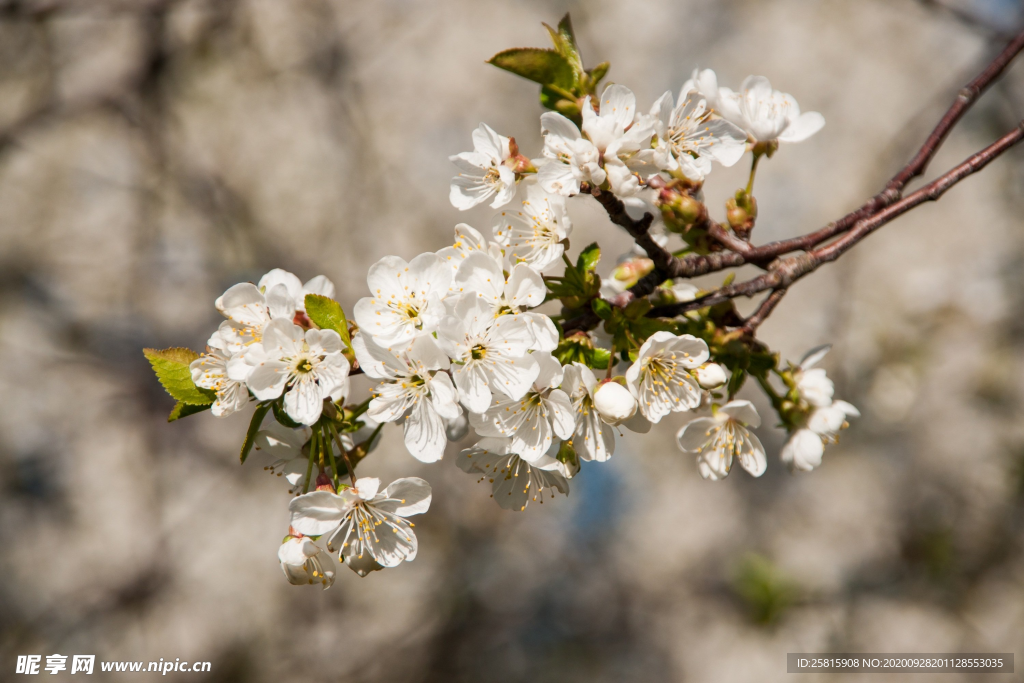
[(751, 324)]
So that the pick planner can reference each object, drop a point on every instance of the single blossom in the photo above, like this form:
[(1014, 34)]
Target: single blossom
[(534, 420), (294, 288), (307, 366), (413, 387), (285, 453), (689, 137), (482, 276), (593, 438), (514, 481), (806, 446), (406, 298), (302, 563), (660, 378), (468, 240), (723, 436), (363, 523), (766, 115), (489, 354), (223, 372), (535, 234), (615, 146), (812, 384), (485, 172)]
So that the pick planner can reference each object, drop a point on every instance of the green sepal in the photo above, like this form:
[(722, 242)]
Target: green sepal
[(543, 66), (254, 427), (172, 370), (567, 456), (600, 359), (739, 376), (328, 315), (281, 416), (185, 409)]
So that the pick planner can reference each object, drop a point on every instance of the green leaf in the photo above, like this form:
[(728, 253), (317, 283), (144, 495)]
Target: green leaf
[(598, 73), (254, 426), (172, 369), (328, 315), (602, 308), (546, 67), (588, 258), (184, 410)]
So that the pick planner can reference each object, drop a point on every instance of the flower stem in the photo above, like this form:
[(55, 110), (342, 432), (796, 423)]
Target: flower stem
[(330, 453), (309, 467), (344, 454), (753, 172)]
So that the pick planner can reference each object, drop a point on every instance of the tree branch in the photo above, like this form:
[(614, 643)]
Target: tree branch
[(783, 273)]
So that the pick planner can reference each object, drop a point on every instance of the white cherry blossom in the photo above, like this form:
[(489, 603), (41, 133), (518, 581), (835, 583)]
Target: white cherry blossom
[(284, 453), (766, 115), (296, 291), (615, 145), (307, 366), (484, 173), (363, 523), (806, 446), (468, 240), (812, 384), (302, 563), (223, 372), (411, 388), (689, 137), (482, 276), (514, 481), (489, 353), (406, 298), (660, 379), (536, 233), (535, 419), (723, 436), (593, 438)]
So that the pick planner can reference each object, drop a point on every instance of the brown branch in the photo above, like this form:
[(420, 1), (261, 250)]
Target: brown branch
[(894, 188), (751, 324), (784, 272)]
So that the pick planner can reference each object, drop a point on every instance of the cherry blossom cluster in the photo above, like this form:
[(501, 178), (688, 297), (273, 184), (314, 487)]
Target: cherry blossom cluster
[(470, 338)]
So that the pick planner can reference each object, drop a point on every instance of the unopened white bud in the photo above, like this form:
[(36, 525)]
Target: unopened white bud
[(711, 375), (614, 403)]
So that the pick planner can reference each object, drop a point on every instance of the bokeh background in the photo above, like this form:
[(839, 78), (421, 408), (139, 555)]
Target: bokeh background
[(152, 153)]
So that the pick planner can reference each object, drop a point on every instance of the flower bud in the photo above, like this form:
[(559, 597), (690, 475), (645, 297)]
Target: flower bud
[(614, 403), (736, 216), (711, 375)]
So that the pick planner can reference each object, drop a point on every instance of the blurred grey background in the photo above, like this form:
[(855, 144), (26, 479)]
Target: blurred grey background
[(154, 153)]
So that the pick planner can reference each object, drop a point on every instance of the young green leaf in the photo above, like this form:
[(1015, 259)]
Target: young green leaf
[(254, 427), (172, 369), (328, 315), (597, 74), (602, 308), (564, 41), (588, 258), (184, 410), (539, 65)]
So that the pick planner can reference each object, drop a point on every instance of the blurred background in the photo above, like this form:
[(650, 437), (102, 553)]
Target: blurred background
[(153, 153)]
